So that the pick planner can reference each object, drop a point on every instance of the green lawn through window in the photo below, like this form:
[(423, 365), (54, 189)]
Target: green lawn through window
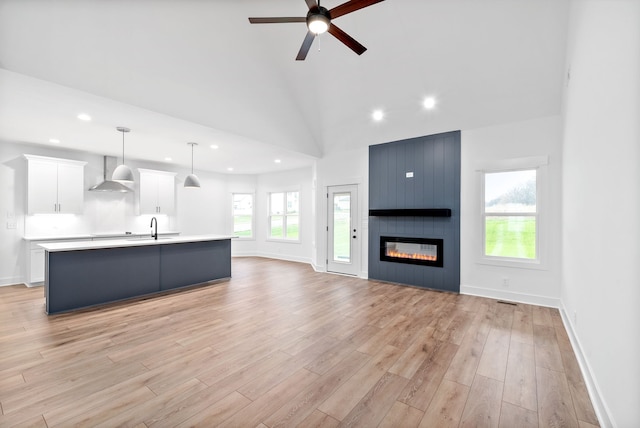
[(242, 226), (510, 237), (292, 232)]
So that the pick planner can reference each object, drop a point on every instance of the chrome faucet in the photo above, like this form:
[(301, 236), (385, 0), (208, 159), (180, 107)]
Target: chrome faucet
[(154, 233)]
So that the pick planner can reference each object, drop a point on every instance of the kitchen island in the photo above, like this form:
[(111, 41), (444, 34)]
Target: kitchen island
[(88, 273)]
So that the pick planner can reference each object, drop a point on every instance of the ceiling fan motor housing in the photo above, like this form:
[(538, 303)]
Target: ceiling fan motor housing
[(318, 20)]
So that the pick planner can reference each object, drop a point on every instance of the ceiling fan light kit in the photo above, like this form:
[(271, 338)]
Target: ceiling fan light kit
[(319, 20)]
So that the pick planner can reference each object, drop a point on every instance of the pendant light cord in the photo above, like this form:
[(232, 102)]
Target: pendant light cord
[(191, 158), (123, 130)]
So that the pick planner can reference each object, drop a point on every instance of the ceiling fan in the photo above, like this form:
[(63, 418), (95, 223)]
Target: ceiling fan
[(318, 21)]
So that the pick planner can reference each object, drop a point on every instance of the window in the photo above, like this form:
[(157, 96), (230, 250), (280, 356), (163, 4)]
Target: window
[(512, 225), (243, 215), (510, 212), (284, 216)]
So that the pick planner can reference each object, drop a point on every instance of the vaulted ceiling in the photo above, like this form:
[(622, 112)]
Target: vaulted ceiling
[(176, 71)]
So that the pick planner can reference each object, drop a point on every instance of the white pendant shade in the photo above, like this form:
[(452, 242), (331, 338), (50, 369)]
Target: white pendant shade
[(192, 180), (123, 174)]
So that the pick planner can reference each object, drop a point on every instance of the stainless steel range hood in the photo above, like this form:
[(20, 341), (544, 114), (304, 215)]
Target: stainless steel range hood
[(109, 185)]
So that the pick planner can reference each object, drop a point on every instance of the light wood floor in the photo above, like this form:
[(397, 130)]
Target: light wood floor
[(281, 345)]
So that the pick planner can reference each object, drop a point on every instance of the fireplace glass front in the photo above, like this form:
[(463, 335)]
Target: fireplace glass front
[(418, 251)]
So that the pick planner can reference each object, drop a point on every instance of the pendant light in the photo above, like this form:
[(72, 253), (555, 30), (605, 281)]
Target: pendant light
[(192, 180), (123, 173)]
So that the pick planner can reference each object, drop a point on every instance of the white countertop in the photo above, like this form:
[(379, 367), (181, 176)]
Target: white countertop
[(130, 242), (95, 235)]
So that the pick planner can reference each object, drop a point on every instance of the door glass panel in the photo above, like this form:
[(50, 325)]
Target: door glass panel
[(342, 227)]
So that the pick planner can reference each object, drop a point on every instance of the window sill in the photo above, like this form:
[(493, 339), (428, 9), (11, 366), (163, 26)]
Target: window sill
[(288, 241), (512, 263)]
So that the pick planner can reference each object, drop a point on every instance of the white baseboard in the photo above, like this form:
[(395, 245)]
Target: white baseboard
[(278, 256), (530, 299), (323, 269), (319, 268), (600, 407), (11, 280), (315, 267)]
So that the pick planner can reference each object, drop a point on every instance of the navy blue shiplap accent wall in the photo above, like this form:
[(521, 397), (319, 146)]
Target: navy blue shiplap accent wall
[(434, 161)]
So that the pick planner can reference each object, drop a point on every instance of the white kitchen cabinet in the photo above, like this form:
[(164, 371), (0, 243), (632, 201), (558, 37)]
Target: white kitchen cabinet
[(36, 265), (157, 192), (54, 185)]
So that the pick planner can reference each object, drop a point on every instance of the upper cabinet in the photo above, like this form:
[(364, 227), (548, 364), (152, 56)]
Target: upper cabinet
[(157, 192), (54, 185)]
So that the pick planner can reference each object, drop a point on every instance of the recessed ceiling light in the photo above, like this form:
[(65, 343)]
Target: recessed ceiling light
[(229, 169), (84, 116), (377, 115), (214, 147), (277, 161), (54, 140), (168, 159), (429, 103)]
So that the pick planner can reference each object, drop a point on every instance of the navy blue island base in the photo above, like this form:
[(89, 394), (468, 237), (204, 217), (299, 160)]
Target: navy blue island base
[(91, 276)]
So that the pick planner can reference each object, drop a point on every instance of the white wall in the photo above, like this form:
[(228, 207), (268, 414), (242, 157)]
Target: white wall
[(13, 174), (302, 181), (261, 185), (601, 203), (537, 137), (338, 168), (205, 210)]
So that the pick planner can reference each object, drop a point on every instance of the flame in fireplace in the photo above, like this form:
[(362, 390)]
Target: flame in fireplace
[(412, 256)]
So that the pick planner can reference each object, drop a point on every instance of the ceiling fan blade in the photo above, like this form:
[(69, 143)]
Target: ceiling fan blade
[(312, 3), (346, 39), (351, 6), (276, 20), (306, 45)]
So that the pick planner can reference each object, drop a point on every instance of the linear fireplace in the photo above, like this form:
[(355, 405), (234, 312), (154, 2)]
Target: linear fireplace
[(415, 251)]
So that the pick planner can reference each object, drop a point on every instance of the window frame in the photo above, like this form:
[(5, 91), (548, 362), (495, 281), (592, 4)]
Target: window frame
[(285, 215), (538, 163), (253, 216)]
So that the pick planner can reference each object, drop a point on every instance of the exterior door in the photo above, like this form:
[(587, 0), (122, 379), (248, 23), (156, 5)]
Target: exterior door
[(343, 240)]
